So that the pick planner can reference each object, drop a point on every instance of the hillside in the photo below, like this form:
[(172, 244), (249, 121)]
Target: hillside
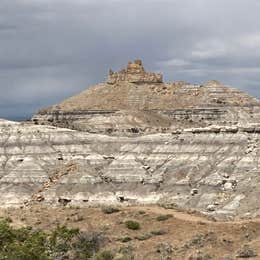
[(134, 98)]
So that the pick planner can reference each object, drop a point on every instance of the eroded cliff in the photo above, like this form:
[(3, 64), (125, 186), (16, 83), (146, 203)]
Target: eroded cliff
[(213, 170), (148, 105), (138, 141)]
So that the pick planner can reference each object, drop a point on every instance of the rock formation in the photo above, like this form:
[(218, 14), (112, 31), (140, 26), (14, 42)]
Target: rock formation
[(192, 146), (149, 105), (134, 73), (213, 170)]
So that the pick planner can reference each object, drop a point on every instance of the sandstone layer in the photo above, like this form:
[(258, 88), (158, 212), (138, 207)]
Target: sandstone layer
[(214, 170), (148, 105), (138, 140)]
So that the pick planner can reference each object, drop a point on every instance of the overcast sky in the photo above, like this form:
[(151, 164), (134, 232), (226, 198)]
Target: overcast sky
[(52, 49)]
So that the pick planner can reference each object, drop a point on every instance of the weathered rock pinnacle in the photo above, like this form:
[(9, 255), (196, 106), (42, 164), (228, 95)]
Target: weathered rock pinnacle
[(134, 73)]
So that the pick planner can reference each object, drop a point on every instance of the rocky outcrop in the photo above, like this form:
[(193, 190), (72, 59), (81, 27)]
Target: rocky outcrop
[(138, 140), (151, 108), (134, 73), (213, 170)]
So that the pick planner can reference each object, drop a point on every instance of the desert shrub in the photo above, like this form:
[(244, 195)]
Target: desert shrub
[(6, 233), (23, 243), (87, 244), (133, 225), (165, 250), (110, 210), (8, 219), (169, 206), (158, 232), (246, 252), (34, 247), (143, 237), (105, 255), (164, 217), (197, 240), (125, 239), (125, 253), (61, 239), (200, 256), (61, 243)]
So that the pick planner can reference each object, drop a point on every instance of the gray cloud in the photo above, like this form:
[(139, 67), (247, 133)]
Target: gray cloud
[(51, 49)]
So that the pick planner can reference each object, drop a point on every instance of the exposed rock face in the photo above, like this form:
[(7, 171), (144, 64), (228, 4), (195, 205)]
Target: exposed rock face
[(140, 141), (52, 165), (149, 106), (134, 73)]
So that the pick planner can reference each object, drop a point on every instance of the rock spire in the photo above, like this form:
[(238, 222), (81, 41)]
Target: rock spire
[(134, 73)]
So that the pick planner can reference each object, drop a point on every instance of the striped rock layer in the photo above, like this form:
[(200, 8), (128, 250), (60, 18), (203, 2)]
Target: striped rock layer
[(138, 140)]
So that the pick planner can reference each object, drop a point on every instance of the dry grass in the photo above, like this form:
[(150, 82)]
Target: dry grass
[(183, 236)]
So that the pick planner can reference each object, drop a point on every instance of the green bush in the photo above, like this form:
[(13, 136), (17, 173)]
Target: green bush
[(164, 217), (7, 235), (23, 243), (133, 225), (61, 238), (61, 243)]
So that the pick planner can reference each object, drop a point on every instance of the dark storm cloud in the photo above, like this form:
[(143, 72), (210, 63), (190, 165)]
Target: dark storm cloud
[(51, 49)]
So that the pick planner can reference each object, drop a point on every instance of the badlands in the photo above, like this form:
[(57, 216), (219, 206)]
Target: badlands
[(136, 141)]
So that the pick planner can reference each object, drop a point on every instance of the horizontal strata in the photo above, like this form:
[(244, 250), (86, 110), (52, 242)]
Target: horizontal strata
[(135, 140), (125, 105), (212, 169), (88, 120)]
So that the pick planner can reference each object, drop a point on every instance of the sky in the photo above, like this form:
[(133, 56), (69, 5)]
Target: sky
[(53, 49)]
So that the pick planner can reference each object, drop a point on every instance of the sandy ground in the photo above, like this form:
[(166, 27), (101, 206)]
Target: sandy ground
[(183, 236)]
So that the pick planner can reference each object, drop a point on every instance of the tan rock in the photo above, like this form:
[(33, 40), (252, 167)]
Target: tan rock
[(134, 73)]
